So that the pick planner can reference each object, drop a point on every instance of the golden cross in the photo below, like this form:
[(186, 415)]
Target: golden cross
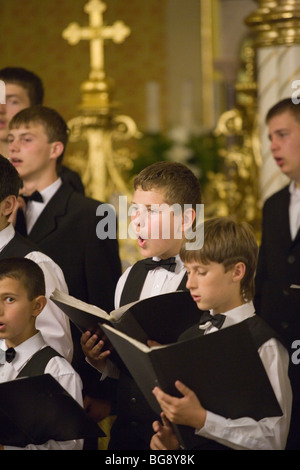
[(96, 33)]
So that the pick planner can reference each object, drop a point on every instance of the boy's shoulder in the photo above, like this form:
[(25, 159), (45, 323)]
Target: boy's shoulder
[(278, 196), (38, 362), (261, 331)]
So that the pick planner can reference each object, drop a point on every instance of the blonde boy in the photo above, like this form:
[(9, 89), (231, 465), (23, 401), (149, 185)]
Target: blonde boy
[(221, 279)]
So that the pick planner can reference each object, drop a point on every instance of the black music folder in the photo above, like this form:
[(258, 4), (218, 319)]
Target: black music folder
[(222, 368), (34, 410), (161, 318)]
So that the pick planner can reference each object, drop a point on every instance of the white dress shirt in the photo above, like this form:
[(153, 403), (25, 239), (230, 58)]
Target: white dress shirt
[(158, 281), (59, 368), (294, 209), (52, 322), (246, 433)]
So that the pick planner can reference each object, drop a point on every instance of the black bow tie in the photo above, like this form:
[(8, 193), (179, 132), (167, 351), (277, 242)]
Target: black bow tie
[(169, 264), (36, 196), (215, 320), (10, 354)]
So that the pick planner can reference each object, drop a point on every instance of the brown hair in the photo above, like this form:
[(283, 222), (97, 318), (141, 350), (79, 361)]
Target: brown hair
[(227, 242), (28, 80), (10, 181), (285, 105), (177, 181), (53, 123), (25, 271)]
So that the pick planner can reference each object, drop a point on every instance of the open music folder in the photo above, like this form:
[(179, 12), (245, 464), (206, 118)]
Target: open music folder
[(34, 410)]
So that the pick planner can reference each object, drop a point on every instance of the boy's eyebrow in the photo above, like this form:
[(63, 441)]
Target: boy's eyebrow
[(23, 133), (10, 294), (146, 205), (195, 265), (277, 131), (14, 95)]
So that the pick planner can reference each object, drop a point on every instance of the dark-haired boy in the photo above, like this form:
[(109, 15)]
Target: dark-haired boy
[(160, 232), (22, 299), (63, 223), (279, 254), (25, 88), (52, 321)]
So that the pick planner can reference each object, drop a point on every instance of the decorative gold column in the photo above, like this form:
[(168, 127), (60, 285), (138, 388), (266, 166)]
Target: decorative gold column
[(98, 133), (276, 26), (207, 73), (235, 191)]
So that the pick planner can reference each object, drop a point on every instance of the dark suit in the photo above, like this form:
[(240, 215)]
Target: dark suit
[(72, 178), (278, 267), (66, 231)]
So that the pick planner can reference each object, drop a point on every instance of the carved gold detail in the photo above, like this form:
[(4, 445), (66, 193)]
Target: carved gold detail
[(98, 132), (235, 191), (276, 22), (100, 140)]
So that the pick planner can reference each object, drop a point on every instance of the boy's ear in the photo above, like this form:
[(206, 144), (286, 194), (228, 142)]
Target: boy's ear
[(188, 218), (239, 270), (57, 149), (8, 205), (38, 305)]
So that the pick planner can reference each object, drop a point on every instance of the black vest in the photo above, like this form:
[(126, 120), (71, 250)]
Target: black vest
[(260, 332), (135, 281), (38, 362), (132, 429), (18, 247)]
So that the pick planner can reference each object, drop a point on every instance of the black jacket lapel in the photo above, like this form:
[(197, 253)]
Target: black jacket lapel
[(56, 208)]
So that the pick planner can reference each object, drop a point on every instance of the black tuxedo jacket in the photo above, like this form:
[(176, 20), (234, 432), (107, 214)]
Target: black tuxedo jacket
[(72, 178), (66, 231), (278, 267)]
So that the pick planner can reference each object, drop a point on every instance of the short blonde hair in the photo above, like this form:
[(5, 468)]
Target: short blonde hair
[(227, 242)]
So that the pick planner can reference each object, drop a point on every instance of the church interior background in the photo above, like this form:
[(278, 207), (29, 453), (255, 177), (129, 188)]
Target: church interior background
[(141, 81)]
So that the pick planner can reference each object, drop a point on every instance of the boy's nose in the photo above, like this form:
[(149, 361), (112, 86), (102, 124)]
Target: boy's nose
[(139, 219), (273, 144), (190, 283), (13, 146)]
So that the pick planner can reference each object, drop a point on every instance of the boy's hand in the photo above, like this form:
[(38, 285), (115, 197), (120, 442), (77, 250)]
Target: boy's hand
[(92, 348), (97, 408), (151, 343), (186, 410), (164, 437)]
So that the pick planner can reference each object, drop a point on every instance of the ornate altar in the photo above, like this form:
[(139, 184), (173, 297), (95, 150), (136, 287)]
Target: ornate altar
[(98, 132), (100, 140), (235, 191)]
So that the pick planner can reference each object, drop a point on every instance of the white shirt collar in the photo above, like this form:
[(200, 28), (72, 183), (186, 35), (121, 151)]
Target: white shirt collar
[(294, 190), (25, 350), (6, 235), (49, 192), (239, 314)]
